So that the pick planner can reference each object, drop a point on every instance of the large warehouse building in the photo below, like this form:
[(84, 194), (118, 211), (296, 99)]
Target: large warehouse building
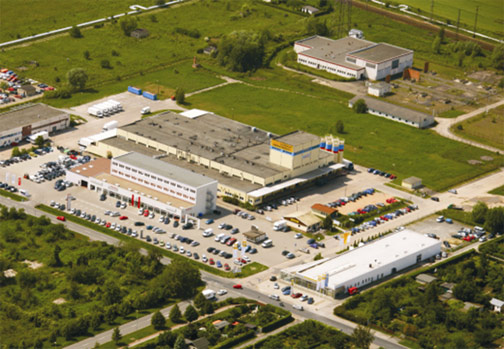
[(249, 164), (22, 122), (149, 183), (351, 57), (364, 265)]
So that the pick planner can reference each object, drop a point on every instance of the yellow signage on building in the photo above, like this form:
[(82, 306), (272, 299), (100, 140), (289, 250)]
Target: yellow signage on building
[(282, 145)]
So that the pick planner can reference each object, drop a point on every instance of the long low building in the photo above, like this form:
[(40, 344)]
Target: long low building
[(351, 57), (250, 164), (17, 124), (364, 265), (395, 112), (150, 183)]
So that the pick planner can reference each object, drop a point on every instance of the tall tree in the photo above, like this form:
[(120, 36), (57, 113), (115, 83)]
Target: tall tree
[(479, 212), (362, 337), (77, 78), (128, 24), (176, 314), (241, 51), (116, 335), (494, 220), (190, 314), (180, 343), (158, 321)]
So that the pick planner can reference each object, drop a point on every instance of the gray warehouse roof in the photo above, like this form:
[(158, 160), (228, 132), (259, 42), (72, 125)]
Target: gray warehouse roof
[(164, 169), (333, 51), (213, 137), (297, 138), (25, 116), (392, 109), (379, 53)]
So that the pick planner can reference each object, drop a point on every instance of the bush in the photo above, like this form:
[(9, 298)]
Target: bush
[(158, 321), (87, 55), (180, 95), (360, 106), (194, 33), (75, 32), (105, 64)]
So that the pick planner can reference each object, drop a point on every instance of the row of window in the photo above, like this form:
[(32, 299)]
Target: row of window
[(393, 117), (11, 135)]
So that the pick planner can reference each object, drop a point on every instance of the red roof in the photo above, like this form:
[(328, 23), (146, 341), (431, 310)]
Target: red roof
[(323, 208)]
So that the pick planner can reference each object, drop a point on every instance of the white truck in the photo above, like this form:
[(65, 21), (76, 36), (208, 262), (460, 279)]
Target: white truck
[(209, 294), (118, 105), (33, 137), (96, 111), (145, 110), (279, 225), (110, 126)]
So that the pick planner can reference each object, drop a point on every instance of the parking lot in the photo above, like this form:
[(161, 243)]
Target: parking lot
[(443, 230)]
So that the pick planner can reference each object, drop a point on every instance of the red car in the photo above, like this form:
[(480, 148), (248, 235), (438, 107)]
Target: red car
[(108, 225), (353, 290), (73, 157), (296, 295), (243, 261), (238, 286), (393, 177), (468, 238), (61, 218), (384, 218), (226, 267), (211, 261), (122, 218), (146, 213)]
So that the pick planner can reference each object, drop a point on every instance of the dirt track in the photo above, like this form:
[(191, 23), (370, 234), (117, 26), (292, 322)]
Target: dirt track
[(420, 24)]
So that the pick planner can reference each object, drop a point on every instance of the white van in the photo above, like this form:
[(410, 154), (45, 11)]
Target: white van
[(274, 297), (220, 236), (278, 225), (24, 193), (208, 232), (267, 243)]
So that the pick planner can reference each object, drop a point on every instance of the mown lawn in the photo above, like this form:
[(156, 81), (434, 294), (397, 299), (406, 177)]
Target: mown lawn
[(49, 15), (486, 128), (498, 191), (370, 140)]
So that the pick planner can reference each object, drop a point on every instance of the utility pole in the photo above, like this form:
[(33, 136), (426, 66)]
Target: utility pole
[(458, 23), (431, 10), (475, 21)]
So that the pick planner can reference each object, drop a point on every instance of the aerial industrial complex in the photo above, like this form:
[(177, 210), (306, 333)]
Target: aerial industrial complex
[(22, 122), (351, 57), (364, 265), (248, 163)]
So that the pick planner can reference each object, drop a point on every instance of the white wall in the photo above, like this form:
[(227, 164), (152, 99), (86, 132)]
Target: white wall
[(329, 67), (9, 136)]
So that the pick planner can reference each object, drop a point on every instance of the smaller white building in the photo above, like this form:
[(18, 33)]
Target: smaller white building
[(379, 89), (310, 10), (364, 265), (25, 121), (356, 33)]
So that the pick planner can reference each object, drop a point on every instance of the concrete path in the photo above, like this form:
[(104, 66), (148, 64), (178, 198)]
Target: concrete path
[(226, 78), (444, 124)]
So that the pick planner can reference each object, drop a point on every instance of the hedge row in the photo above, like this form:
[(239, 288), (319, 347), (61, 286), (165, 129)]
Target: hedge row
[(277, 323), (233, 341)]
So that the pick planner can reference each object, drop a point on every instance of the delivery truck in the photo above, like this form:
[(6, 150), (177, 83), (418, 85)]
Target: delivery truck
[(110, 126), (279, 225), (96, 111), (34, 136), (209, 294)]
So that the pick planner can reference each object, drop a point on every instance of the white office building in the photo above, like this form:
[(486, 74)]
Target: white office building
[(352, 57), (150, 183), (364, 265)]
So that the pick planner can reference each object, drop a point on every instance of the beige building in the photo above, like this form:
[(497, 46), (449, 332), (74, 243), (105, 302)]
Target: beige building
[(250, 164), (412, 183)]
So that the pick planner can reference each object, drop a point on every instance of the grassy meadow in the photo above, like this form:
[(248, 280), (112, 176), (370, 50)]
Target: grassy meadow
[(51, 15), (487, 128), (498, 191)]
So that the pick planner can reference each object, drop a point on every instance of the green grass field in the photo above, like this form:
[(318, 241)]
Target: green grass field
[(50, 15), (490, 13), (498, 191), (370, 140), (484, 128)]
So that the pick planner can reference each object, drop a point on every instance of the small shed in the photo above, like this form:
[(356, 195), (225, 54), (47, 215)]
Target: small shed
[(220, 324), (425, 278), (412, 183), (310, 10), (323, 211), (209, 50), (140, 33), (304, 221), (200, 343), (356, 33), (27, 90), (497, 305), (447, 286), (379, 89)]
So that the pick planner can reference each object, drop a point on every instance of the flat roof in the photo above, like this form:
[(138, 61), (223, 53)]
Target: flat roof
[(392, 109), (194, 113), (93, 167), (307, 218), (135, 187), (297, 138), (361, 260), (412, 180), (164, 169), (226, 180), (379, 53), (210, 136), (26, 115), (333, 51)]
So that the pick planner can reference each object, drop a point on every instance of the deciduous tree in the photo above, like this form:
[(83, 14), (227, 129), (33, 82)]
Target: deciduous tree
[(158, 321), (77, 78)]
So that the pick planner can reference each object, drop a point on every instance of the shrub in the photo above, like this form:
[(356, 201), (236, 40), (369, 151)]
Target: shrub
[(75, 32), (105, 64), (360, 106)]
